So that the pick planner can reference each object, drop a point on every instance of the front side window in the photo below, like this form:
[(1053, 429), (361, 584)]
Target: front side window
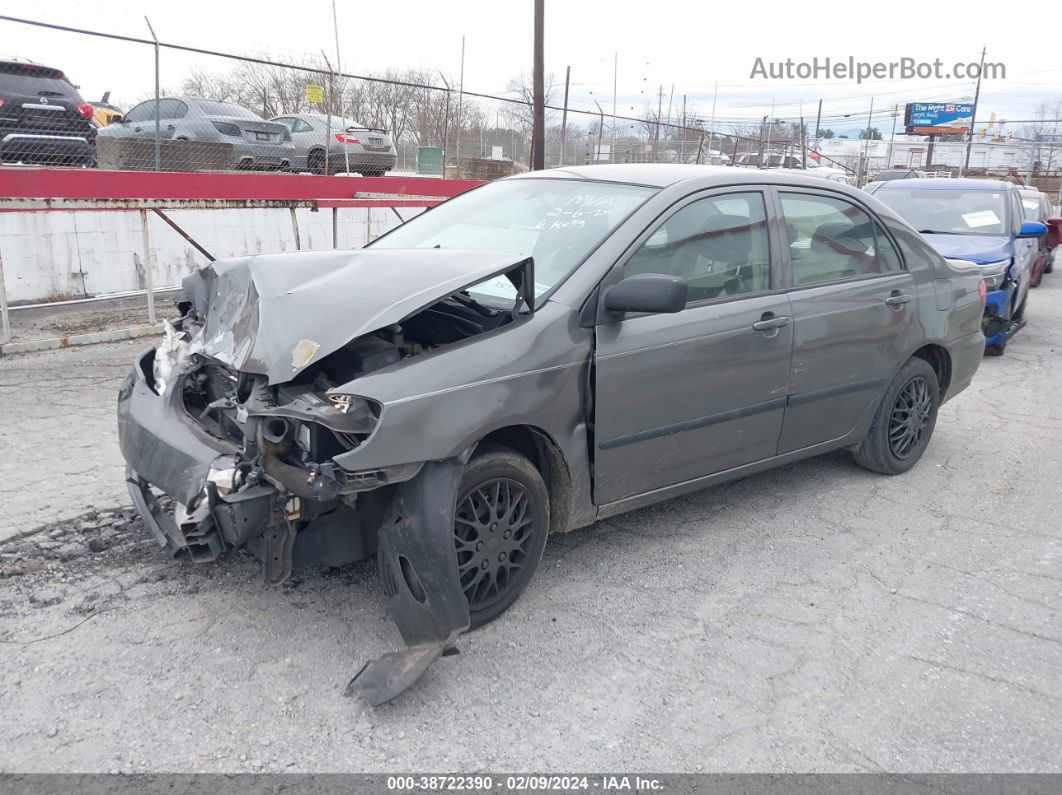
[(949, 210), (298, 125), (719, 246), (832, 239), (556, 221)]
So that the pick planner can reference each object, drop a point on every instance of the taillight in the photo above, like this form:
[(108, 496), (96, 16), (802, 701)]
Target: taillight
[(2, 101), (982, 291), (84, 110), (346, 138)]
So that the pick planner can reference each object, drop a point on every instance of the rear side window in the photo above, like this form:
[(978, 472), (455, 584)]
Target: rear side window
[(832, 239), (142, 112), (300, 126), (718, 245)]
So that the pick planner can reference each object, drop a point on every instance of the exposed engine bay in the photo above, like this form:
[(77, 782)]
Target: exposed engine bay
[(245, 426)]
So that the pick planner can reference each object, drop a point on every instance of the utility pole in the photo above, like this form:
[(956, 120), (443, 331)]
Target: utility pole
[(564, 113), (711, 127), (864, 162), (460, 105), (158, 122), (892, 138), (538, 109), (659, 112), (973, 116), (818, 122), (615, 83)]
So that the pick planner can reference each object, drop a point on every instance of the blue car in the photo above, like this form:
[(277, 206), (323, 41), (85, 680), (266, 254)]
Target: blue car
[(981, 221)]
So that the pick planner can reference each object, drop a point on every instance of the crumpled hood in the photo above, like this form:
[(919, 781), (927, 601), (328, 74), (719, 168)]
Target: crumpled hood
[(981, 249), (277, 314)]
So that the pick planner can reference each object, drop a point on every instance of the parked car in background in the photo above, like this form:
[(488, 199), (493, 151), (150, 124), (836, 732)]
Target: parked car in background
[(898, 173), (104, 113), (257, 143), (351, 147), (533, 355), (832, 174), (770, 160), (1038, 208), (982, 221), (43, 118)]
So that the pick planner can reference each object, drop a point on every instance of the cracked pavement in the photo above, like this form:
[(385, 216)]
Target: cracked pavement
[(814, 618)]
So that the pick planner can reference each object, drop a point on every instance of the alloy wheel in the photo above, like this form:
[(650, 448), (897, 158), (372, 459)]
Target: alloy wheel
[(910, 416), (494, 526)]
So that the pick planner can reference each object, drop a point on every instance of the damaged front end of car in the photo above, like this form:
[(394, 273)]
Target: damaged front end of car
[(240, 429)]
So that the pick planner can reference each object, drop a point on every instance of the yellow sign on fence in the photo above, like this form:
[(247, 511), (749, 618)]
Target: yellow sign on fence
[(314, 93)]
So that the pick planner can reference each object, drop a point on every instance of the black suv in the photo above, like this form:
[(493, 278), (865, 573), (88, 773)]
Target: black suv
[(43, 118)]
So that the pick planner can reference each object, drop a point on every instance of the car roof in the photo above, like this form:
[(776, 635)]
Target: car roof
[(663, 175), (947, 184)]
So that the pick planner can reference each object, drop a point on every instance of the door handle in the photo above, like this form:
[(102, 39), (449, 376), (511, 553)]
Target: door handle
[(897, 299), (768, 323)]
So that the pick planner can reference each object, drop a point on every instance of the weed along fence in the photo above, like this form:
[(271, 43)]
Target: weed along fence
[(86, 255)]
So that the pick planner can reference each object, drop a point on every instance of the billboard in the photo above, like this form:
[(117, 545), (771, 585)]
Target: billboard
[(938, 118)]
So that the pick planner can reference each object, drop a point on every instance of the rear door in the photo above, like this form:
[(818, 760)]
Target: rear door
[(853, 307), (680, 396)]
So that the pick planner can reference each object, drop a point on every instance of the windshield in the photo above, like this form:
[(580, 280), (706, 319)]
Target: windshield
[(964, 212), (556, 221)]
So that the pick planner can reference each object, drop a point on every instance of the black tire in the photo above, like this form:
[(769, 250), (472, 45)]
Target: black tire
[(497, 554), (904, 421), (315, 162), (996, 350), (1050, 266)]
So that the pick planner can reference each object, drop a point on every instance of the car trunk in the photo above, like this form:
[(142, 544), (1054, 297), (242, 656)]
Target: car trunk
[(256, 132)]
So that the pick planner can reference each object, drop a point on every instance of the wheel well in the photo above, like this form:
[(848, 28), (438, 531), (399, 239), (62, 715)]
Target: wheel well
[(940, 360), (537, 446)]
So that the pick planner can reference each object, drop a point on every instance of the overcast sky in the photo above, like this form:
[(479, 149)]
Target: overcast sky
[(690, 46)]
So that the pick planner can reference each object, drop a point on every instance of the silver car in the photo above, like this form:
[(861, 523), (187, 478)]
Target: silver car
[(256, 143), (350, 146)]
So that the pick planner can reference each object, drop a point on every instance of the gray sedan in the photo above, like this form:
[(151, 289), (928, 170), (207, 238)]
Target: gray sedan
[(256, 143), (346, 145), (534, 355)]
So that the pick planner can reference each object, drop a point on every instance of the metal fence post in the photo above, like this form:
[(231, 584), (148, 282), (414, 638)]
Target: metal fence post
[(149, 268), (295, 228), (5, 330), (335, 227)]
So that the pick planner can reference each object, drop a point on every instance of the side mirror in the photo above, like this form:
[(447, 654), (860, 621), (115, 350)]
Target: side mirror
[(1032, 229), (647, 292)]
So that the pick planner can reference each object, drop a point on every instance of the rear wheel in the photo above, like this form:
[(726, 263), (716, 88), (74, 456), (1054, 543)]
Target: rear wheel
[(904, 422), (315, 162), (500, 527)]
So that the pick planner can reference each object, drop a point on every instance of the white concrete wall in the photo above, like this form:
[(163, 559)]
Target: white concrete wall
[(48, 255)]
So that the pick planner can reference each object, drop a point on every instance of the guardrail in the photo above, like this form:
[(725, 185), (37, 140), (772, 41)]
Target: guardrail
[(38, 190)]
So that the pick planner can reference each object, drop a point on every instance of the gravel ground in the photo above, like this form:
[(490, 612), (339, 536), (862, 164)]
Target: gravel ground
[(814, 618)]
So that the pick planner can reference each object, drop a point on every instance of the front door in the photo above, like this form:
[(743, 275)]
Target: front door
[(680, 396), (853, 307)]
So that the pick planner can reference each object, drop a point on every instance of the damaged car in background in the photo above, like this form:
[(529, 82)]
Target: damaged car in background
[(534, 355)]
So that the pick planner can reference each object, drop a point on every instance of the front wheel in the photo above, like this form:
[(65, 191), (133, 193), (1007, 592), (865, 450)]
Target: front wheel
[(904, 421), (500, 527)]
